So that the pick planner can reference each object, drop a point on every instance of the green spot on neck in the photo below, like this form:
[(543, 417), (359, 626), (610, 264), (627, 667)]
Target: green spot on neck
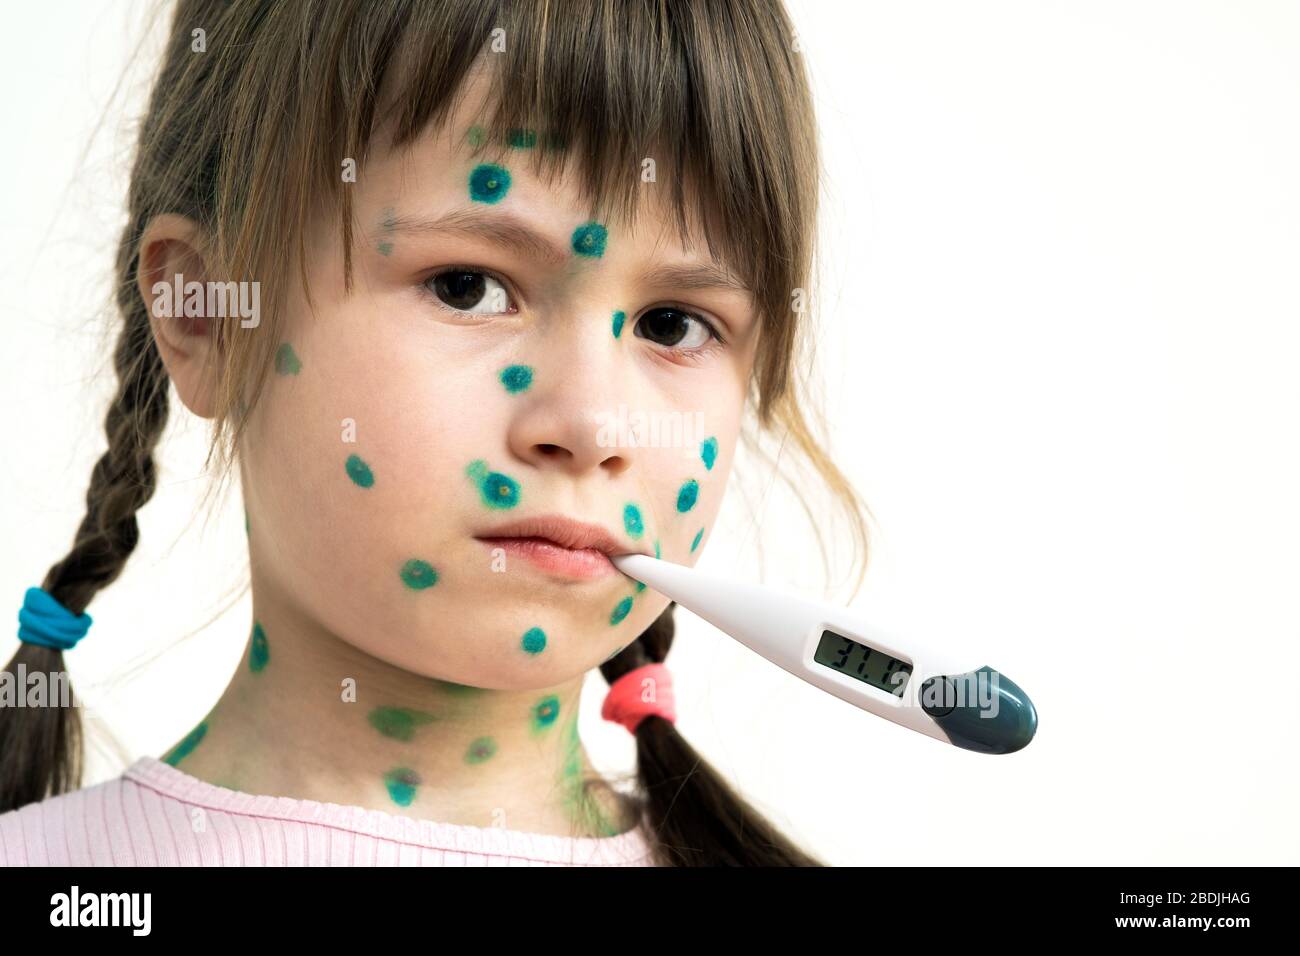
[(260, 653), (187, 745), (401, 783), (286, 360), (545, 711), (480, 750), (398, 722)]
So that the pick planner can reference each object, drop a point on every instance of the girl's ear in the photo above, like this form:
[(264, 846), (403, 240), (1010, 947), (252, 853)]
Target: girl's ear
[(171, 247)]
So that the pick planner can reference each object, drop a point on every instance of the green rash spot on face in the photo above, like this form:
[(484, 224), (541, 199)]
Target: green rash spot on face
[(286, 361), (687, 495), (589, 240), (186, 746), (534, 640), (401, 783), (516, 378), (398, 722), (621, 610), (418, 575), (632, 520), (359, 471), (545, 711), (696, 543), (657, 554), (709, 452), (497, 490), (640, 586), (521, 138), (619, 317), (385, 248), (475, 136), (488, 183), (388, 219), (480, 750), (260, 653)]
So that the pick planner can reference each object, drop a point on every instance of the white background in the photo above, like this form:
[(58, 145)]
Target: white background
[(1059, 351)]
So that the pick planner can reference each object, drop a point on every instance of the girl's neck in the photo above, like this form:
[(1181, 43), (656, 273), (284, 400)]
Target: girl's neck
[(311, 717)]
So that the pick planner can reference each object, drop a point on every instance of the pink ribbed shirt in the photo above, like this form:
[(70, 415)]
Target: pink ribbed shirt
[(156, 815)]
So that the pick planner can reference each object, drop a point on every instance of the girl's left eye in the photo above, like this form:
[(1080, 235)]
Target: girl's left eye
[(465, 289), (676, 329)]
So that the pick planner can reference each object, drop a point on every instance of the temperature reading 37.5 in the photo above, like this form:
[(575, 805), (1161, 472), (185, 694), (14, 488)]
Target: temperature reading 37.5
[(862, 663)]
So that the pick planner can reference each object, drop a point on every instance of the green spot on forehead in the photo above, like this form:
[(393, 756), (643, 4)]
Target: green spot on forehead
[(488, 183), (589, 240), (619, 318), (521, 138)]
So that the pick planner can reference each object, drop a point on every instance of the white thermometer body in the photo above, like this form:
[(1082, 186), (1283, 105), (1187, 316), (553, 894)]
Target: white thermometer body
[(917, 686)]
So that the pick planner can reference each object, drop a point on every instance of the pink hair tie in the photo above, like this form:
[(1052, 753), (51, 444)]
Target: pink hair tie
[(626, 702)]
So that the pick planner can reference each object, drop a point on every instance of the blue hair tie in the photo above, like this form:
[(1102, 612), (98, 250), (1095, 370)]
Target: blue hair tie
[(43, 620)]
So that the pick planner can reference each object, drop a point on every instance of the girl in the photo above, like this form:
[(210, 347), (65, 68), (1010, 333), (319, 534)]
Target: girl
[(412, 259)]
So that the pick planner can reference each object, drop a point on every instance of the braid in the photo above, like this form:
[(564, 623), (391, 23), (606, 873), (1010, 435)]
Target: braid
[(40, 747), (696, 817)]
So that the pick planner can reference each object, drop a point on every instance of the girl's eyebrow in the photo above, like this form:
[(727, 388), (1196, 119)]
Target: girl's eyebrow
[(511, 233), (500, 229), (692, 278)]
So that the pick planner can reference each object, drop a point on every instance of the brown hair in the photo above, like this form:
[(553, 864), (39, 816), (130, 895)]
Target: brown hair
[(247, 138)]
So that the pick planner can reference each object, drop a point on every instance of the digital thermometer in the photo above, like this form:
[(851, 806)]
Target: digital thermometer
[(833, 648)]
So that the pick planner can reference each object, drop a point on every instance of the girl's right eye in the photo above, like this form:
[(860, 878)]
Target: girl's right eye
[(465, 290)]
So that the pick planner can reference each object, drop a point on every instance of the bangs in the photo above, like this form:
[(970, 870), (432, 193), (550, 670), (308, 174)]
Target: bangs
[(596, 88)]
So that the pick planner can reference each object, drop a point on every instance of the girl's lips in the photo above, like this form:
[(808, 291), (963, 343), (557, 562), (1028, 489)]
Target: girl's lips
[(551, 557)]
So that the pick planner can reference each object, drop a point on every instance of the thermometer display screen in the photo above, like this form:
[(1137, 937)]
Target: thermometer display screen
[(862, 663)]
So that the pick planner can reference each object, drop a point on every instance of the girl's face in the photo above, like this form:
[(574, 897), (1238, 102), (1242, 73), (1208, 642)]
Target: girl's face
[(500, 360)]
